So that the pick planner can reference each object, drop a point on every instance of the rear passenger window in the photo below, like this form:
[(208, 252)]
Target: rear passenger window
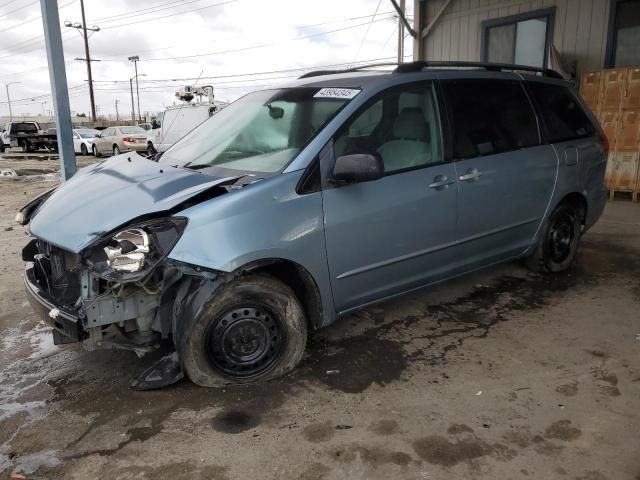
[(562, 114), (489, 117)]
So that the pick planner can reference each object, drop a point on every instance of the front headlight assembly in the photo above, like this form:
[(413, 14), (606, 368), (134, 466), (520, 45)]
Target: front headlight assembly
[(132, 252)]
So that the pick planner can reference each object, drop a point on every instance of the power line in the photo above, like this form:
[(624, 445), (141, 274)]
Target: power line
[(20, 8), (8, 3), (147, 10), (170, 15), (264, 45), (34, 18), (296, 26), (251, 74), (367, 31)]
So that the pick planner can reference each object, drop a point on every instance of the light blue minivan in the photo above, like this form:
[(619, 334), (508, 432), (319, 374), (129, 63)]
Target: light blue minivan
[(296, 205)]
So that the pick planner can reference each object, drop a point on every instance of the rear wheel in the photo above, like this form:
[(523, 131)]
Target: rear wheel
[(252, 329), (26, 146), (83, 149), (94, 149), (116, 150), (150, 150), (558, 244)]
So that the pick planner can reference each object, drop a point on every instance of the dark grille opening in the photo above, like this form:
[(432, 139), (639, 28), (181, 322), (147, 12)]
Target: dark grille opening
[(57, 272)]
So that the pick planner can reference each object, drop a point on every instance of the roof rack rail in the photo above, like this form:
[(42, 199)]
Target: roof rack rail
[(318, 73), (494, 67)]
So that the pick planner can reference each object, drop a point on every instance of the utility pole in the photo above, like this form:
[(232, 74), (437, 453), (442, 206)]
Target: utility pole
[(59, 87), (117, 116), (85, 35), (133, 107), (401, 33), (135, 59), (9, 99)]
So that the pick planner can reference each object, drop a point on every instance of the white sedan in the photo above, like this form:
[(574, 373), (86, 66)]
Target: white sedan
[(83, 140)]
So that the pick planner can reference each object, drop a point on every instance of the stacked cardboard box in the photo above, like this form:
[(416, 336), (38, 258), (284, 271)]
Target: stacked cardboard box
[(614, 96)]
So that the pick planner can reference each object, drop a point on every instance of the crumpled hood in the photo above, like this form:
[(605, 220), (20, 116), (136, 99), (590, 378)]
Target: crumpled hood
[(107, 195)]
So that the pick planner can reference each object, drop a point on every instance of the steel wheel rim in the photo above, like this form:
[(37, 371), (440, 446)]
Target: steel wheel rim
[(245, 341), (561, 235)]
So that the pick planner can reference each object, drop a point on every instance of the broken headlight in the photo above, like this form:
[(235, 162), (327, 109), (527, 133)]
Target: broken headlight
[(134, 251), (130, 252)]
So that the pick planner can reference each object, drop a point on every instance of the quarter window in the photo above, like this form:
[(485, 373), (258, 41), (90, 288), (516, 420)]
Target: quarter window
[(563, 116), (489, 117), (401, 127)]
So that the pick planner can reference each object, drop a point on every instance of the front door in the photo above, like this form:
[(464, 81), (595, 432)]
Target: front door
[(391, 235), (506, 176)]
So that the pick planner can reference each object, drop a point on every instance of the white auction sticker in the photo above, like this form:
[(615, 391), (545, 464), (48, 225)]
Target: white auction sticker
[(347, 93)]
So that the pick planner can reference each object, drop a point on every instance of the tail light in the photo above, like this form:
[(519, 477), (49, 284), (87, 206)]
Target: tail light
[(128, 139), (604, 143)]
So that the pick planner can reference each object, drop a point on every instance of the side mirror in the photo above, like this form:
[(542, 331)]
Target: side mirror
[(359, 167)]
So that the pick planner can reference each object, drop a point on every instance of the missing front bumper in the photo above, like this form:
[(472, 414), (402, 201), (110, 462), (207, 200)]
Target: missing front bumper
[(66, 324)]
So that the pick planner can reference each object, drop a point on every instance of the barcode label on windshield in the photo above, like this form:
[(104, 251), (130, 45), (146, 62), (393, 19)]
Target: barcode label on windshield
[(346, 93)]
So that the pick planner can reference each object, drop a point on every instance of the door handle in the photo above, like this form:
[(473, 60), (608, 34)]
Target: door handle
[(470, 175), (440, 181)]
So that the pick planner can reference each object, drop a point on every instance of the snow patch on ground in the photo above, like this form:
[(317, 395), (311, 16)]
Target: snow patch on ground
[(10, 409), (29, 464)]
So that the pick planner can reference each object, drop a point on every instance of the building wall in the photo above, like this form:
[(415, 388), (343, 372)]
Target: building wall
[(580, 29)]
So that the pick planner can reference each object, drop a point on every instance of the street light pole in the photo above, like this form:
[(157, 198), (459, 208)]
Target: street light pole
[(133, 109), (135, 60), (9, 99)]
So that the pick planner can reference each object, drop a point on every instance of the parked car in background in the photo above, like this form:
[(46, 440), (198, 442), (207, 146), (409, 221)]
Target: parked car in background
[(296, 205), (115, 140), (174, 123), (83, 140), (28, 136)]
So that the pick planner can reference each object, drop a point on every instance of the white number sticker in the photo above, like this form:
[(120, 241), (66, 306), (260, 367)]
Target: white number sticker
[(346, 93)]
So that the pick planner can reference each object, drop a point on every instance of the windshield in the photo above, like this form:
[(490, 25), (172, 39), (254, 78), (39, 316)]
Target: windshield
[(132, 130), (261, 132), (87, 133)]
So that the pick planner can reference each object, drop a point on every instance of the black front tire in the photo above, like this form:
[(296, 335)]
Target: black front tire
[(253, 329), (557, 247), (83, 149), (94, 149)]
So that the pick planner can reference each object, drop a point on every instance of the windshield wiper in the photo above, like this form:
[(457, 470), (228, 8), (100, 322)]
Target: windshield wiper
[(199, 166)]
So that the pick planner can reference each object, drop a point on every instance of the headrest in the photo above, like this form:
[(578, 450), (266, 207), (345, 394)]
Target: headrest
[(411, 125)]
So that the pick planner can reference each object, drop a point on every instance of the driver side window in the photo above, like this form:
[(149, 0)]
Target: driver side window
[(400, 126)]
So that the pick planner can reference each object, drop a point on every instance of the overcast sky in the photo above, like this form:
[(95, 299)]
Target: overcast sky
[(215, 40)]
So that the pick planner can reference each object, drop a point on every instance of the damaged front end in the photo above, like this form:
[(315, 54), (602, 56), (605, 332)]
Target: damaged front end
[(109, 295), (119, 293)]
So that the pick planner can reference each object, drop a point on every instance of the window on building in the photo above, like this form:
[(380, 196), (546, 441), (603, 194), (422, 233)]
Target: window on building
[(624, 37), (518, 39), (489, 117), (563, 116)]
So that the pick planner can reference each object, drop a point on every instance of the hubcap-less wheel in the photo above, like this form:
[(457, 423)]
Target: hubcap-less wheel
[(561, 235), (245, 341)]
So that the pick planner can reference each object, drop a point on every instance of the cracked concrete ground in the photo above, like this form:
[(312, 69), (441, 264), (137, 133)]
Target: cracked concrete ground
[(500, 374)]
